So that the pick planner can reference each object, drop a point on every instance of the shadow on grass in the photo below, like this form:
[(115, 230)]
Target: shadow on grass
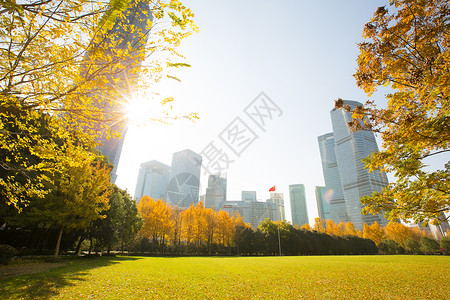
[(47, 284)]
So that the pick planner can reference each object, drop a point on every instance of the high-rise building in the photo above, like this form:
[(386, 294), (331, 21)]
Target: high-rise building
[(278, 199), (252, 212), (184, 183), (152, 180), (249, 196), (323, 205), (299, 210), (343, 150), (338, 211), (216, 192), (128, 33)]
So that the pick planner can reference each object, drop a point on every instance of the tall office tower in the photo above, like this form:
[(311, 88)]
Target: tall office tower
[(356, 182), (278, 199), (323, 205), (338, 211), (152, 180), (128, 35), (249, 196), (184, 183), (252, 212), (299, 210), (216, 192)]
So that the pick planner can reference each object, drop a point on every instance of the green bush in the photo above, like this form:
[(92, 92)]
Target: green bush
[(428, 245), (445, 244), (412, 246), (390, 247), (7, 253)]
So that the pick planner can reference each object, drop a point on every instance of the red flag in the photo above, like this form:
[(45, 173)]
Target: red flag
[(272, 189)]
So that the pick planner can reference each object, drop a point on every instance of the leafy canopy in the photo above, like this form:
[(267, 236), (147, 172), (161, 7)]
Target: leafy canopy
[(407, 49)]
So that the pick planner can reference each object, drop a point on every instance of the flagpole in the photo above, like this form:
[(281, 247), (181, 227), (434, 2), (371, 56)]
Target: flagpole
[(272, 189), (279, 240)]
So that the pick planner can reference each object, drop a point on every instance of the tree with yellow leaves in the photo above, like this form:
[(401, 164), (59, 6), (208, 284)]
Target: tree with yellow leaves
[(406, 48), (374, 232), (62, 70), (157, 219)]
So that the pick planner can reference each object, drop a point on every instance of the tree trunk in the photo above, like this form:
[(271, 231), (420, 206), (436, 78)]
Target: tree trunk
[(77, 250), (90, 245), (58, 242)]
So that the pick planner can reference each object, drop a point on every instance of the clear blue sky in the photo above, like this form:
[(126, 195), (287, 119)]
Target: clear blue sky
[(302, 54)]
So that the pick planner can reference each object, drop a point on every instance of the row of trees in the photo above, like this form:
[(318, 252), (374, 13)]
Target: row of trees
[(113, 223), (202, 230), (197, 226), (393, 231)]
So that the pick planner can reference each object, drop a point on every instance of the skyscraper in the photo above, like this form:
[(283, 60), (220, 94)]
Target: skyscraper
[(343, 150), (299, 210), (338, 211), (249, 196), (216, 192), (152, 180), (184, 183), (278, 199), (128, 33), (323, 206)]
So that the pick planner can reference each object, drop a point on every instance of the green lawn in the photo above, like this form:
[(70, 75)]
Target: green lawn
[(315, 277)]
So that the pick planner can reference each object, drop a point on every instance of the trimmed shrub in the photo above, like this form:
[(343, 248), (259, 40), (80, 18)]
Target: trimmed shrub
[(390, 247), (428, 245), (7, 253), (412, 246), (445, 244)]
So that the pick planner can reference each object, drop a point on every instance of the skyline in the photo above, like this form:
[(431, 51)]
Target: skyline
[(301, 63)]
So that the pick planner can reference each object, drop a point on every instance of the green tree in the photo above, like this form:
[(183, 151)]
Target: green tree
[(77, 197), (428, 245), (408, 50), (445, 244)]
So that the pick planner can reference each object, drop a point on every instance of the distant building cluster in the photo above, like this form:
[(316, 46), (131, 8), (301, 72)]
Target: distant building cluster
[(346, 181)]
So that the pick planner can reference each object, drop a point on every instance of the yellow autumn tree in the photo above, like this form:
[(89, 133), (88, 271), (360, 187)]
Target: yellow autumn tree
[(63, 65), (374, 232), (320, 225), (225, 228), (306, 227), (157, 218), (406, 48)]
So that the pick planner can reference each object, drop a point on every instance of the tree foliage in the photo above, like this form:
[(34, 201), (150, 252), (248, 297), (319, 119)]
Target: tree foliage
[(67, 69), (407, 49)]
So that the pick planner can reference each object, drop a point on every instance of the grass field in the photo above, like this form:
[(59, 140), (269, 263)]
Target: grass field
[(314, 277)]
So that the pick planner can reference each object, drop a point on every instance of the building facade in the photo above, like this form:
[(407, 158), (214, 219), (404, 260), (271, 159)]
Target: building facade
[(252, 212), (343, 150), (278, 199), (249, 196), (299, 210), (323, 203), (338, 211), (216, 192), (184, 182), (152, 180), (130, 32)]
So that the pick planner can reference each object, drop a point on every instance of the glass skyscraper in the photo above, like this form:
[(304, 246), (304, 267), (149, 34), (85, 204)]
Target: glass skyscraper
[(299, 210), (248, 196), (128, 33), (322, 200), (152, 180), (216, 192), (343, 151), (184, 183), (278, 199), (338, 211)]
